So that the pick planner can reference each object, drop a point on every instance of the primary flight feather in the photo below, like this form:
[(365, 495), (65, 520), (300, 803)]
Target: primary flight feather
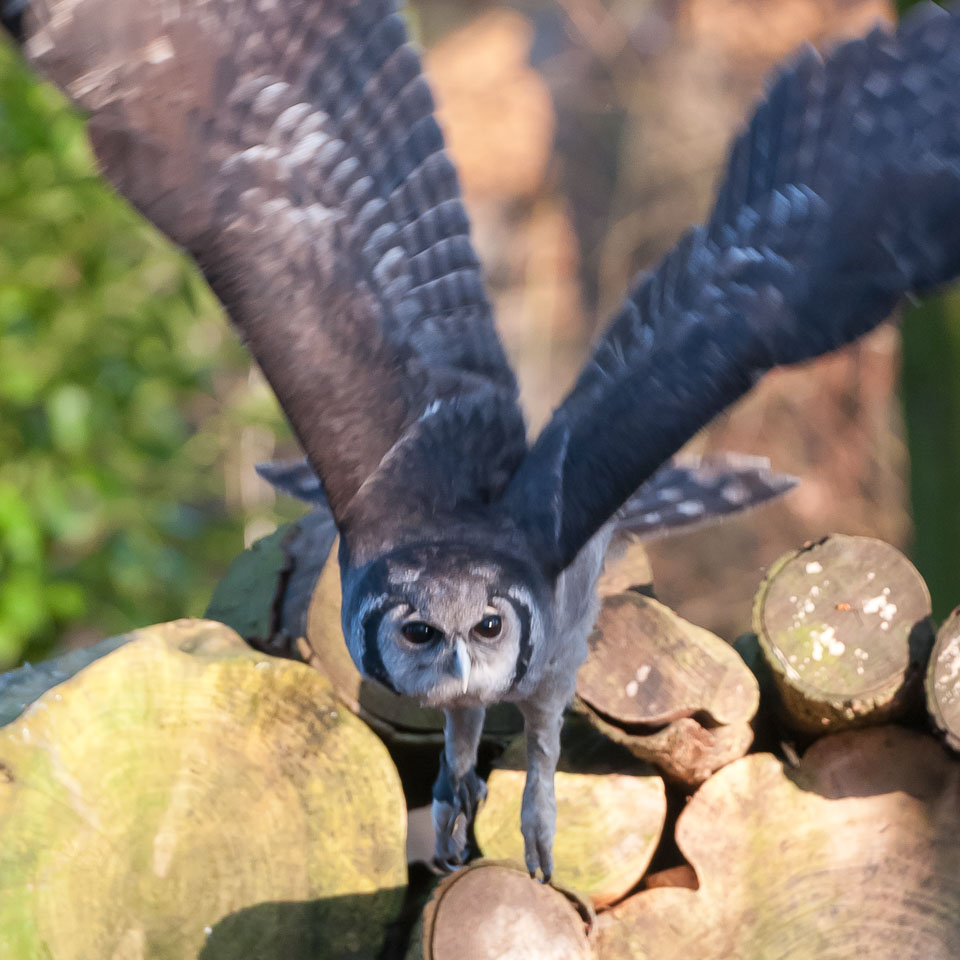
[(290, 146)]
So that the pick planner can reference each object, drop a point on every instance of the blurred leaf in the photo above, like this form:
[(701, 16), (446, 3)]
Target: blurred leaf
[(114, 434)]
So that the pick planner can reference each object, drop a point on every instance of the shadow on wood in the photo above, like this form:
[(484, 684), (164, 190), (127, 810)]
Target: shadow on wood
[(334, 927)]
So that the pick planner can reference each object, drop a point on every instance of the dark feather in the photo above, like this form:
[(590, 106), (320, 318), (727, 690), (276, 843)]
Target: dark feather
[(463, 445), (292, 149), (691, 492), (842, 195), (295, 478)]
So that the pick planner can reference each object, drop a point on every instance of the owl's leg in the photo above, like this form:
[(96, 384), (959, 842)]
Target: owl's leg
[(458, 790), (538, 815)]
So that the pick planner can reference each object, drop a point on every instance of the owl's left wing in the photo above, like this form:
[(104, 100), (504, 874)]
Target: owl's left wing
[(291, 147), (842, 195)]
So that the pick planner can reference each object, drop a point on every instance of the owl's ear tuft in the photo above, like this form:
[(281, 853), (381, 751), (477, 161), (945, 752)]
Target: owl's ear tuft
[(534, 497)]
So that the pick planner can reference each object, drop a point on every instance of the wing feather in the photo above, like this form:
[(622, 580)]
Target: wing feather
[(291, 148), (841, 196)]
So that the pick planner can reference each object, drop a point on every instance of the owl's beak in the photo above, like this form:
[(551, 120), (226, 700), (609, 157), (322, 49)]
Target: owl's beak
[(462, 664)]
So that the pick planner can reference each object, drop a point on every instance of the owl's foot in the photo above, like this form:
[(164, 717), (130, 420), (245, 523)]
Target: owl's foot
[(538, 825), (455, 803)]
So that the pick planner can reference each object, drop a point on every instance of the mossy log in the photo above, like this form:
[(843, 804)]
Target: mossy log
[(853, 854), (398, 718), (611, 810), (186, 796), (492, 910), (266, 591), (844, 626), (20, 687), (943, 681), (673, 693)]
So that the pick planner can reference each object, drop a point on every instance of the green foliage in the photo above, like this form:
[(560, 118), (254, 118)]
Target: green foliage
[(930, 393), (112, 433)]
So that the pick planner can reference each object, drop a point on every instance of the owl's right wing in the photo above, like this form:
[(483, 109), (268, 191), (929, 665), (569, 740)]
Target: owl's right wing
[(842, 196), (291, 147)]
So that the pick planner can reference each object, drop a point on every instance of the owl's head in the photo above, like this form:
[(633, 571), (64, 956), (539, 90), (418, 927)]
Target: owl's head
[(447, 624)]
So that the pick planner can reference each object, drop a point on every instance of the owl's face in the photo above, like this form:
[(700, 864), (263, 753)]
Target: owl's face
[(446, 625)]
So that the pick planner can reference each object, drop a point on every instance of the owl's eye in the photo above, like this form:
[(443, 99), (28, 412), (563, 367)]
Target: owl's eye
[(488, 627), (416, 631)]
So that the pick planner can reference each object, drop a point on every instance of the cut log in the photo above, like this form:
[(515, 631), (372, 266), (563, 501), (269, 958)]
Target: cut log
[(844, 626), (493, 911), (20, 687), (671, 692), (185, 795), (397, 718), (943, 681), (610, 813), (685, 751), (852, 855)]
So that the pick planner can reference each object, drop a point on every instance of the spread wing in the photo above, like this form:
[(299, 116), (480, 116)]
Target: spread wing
[(291, 148), (841, 196)]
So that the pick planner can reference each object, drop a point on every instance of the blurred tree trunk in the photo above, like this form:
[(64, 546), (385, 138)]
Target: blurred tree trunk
[(930, 395)]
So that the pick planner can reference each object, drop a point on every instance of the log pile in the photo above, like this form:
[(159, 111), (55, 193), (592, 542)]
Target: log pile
[(184, 795), (178, 793)]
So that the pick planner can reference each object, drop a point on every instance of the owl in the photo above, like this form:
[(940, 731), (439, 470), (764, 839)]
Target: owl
[(291, 147)]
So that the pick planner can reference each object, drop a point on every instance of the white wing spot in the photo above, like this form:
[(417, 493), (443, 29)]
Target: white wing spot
[(814, 567), (429, 410), (690, 508), (735, 492), (670, 494)]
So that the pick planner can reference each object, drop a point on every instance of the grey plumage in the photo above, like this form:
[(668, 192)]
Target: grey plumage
[(290, 146)]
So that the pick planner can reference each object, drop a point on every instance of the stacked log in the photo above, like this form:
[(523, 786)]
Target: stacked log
[(532, 919), (671, 692), (176, 793), (852, 854), (844, 626), (943, 681), (184, 795)]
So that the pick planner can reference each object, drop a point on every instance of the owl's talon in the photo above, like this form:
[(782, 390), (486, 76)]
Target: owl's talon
[(455, 803), (537, 825)]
